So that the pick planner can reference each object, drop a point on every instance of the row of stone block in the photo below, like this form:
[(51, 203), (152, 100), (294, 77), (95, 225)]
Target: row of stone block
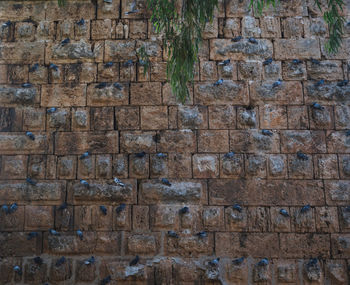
[(267, 116), (36, 270), (142, 218), (179, 141), (187, 244), (223, 192), (172, 165)]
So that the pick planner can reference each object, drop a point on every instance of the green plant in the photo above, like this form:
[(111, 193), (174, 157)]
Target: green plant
[(331, 16), (181, 23)]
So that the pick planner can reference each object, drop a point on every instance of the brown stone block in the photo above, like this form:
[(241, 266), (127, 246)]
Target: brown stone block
[(305, 141), (66, 167), (340, 245), (12, 221), (336, 272), (103, 166), (164, 217), (222, 117), (259, 219), (70, 243), (52, 193), (72, 10), (213, 141), (140, 7), (122, 218), (107, 95), (106, 192), (34, 119), (213, 218), (229, 92), (326, 166), (273, 117), (102, 118), (35, 273), (138, 166), (159, 165), (190, 245), (337, 192), (192, 117), (80, 142), (140, 218), (15, 96), (83, 218), (300, 168), (221, 49), (327, 219), (60, 120), (338, 142), (22, 52), (39, 217), (74, 52), (145, 93), (13, 166), (62, 272), (256, 192), (183, 141), (298, 117), (180, 165), (297, 48), (120, 165), (108, 73), (85, 273), (231, 167), (19, 143), (63, 95), (287, 93), (102, 29), (107, 10), (142, 244), (64, 218), (254, 141), (137, 141), (279, 222), (304, 245), (108, 243), (153, 191), (37, 166), (327, 93), (120, 50), (254, 244), (205, 166), (127, 118), (16, 244), (154, 117)]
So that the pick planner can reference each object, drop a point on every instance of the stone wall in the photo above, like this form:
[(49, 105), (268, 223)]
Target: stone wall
[(281, 200)]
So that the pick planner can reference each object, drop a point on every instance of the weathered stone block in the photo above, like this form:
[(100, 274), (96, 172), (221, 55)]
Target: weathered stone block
[(297, 48), (19, 96), (19, 143), (221, 49), (137, 141), (102, 191), (75, 52), (253, 141), (187, 191), (80, 142), (256, 192), (58, 95)]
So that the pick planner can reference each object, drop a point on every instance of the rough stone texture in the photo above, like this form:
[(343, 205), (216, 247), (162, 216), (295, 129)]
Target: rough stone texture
[(228, 154)]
